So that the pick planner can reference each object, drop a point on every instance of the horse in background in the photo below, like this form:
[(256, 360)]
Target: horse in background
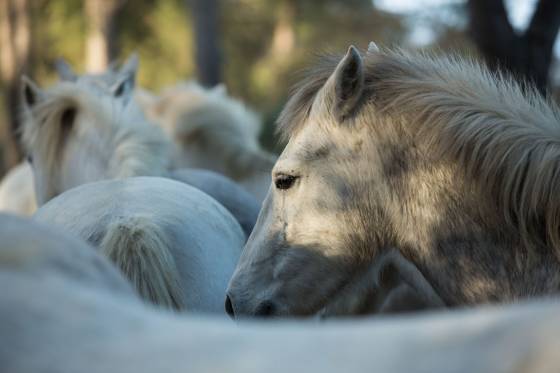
[(211, 130), (176, 244), (17, 194), (73, 136), (119, 84), (447, 168), (116, 86), (16, 187)]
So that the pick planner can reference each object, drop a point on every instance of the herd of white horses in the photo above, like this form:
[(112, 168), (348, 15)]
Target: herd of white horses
[(416, 199)]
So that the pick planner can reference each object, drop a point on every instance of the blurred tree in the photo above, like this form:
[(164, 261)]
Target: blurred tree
[(284, 35), (281, 37), (527, 55), (260, 44), (207, 37), (15, 39), (59, 30), (102, 36), (162, 36)]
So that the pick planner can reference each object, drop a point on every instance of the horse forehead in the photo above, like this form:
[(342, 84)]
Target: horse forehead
[(303, 142), (101, 83), (327, 143)]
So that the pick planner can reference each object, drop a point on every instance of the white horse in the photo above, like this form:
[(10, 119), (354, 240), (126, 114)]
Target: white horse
[(242, 205), (177, 245), (438, 174), (74, 136), (78, 138), (210, 130), (213, 131), (77, 314), (16, 188), (16, 191)]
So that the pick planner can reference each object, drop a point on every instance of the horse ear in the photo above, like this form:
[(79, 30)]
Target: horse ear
[(130, 66), (348, 79), (64, 70), (402, 287), (124, 88), (372, 48), (31, 94)]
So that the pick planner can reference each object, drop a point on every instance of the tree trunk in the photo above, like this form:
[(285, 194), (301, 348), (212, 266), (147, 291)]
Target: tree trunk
[(527, 55), (101, 43), (284, 36), (15, 39), (207, 41)]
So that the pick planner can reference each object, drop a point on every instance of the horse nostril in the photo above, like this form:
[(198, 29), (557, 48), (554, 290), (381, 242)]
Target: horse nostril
[(229, 307), (265, 309)]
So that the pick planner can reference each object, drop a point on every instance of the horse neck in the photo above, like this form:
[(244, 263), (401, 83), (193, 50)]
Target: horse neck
[(453, 231)]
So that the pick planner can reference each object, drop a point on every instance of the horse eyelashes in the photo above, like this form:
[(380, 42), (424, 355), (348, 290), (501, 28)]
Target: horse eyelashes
[(284, 182)]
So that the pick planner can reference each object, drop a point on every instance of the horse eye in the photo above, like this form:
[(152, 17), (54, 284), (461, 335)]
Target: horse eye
[(284, 181)]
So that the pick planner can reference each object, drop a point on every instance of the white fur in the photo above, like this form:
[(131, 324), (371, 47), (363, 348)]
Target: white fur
[(107, 141), (212, 130), (73, 322), (175, 243), (454, 166), (40, 250), (16, 191)]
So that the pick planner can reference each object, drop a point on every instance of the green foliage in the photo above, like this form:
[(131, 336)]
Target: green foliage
[(161, 32), (58, 30)]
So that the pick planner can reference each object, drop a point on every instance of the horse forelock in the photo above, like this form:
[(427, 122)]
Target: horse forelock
[(502, 133), (298, 107)]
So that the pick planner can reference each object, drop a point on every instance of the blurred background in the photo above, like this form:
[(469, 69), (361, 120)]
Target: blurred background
[(256, 47)]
